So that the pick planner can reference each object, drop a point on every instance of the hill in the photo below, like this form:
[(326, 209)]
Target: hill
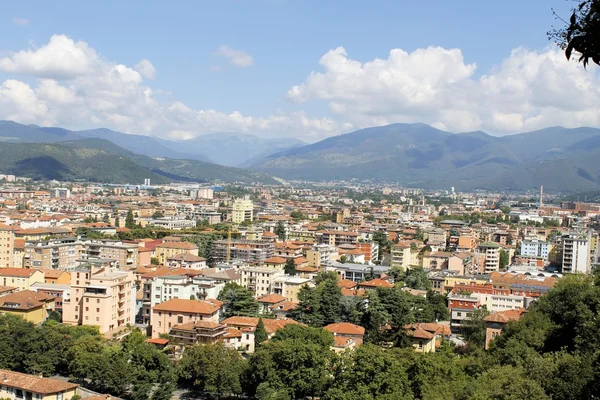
[(419, 155), (102, 161)]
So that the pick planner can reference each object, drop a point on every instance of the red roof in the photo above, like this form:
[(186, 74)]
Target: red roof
[(158, 341), (376, 283), (345, 328)]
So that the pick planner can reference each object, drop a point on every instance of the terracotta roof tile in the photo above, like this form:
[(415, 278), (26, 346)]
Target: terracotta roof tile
[(345, 328), (35, 384), (187, 306)]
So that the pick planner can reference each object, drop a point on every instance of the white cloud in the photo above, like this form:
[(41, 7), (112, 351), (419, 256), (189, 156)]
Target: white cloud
[(20, 21), (60, 58), (529, 90), (76, 88), (146, 69), (237, 58)]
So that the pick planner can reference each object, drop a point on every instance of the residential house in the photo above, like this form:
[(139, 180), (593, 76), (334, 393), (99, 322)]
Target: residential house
[(20, 278), (31, 306), (167, 250), (16, 385), (178, 311), (344, 333), (496, 323)]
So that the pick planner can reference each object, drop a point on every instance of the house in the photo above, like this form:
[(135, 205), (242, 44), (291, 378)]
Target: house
[(281, 309), (202, 332), (56, 276), (267, 301), (496, 323), (375, 283), (31, 306), (345, 332), (421, 340), (20, 278), (187, 260), (167, 250), (178, 311), (247, 326), (16, 385)]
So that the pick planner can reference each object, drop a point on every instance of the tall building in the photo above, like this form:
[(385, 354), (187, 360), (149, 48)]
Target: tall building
[(101, 295), (255, 251), (576, 254), (491, 253), (243, 210), (7, 245), (535, 248)]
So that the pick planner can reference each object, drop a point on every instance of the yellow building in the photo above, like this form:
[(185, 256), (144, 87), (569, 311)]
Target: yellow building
[(275, 262), (20, 278), (56, 276), (292, 286), (421, 340), (102, 296), (18, 253), (16, 385), (7, 245), (243, 210), (167, 250), (31, 306)]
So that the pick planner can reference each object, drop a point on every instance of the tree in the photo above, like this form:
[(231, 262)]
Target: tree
[(381, 238), (330, 295), (326, 275), (157, 214), (416, 278), (260, 334), (473, 328), (297, 215), (504, 259), (280, 231), (117, 221), (129, 220), (238, 300), (154, 261), (308, 310), (212, 368), (290, 267), (582, 33)]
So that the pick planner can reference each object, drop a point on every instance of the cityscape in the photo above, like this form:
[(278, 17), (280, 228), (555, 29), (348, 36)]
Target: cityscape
[(420, 230)]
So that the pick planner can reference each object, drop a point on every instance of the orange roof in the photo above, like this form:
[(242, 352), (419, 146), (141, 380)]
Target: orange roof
[(233, 333), (271, 298), (34, 383), (343, 342), (431, 327), (20, 272), (19, 243), (275, 260), (284, 306), (269, 234), (347, 283), (187, 306), (505, 316), (271, 325), (376, 283), (25, 300), (157, 341), (52, 273), (345, 328), (418, 332), (352, 292)]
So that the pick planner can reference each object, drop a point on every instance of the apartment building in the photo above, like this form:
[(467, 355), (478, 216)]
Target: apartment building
[(125, 254), (260, 280), (251, 251), (535, 248), (20, 278), (53, 254), (168, 250), (243, 210), (7, 245), (171, 313), (576, 254), (491, 254), (165, 288), (101, 295), (336, 238)]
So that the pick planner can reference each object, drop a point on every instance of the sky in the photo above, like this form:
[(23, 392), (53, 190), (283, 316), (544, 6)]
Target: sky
[(305, 69)]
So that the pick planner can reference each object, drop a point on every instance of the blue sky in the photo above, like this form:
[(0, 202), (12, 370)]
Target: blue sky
[(285, 40)]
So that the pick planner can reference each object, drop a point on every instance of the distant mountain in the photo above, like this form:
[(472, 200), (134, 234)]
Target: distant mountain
[(419, 155), (175, 169), (232, 149)]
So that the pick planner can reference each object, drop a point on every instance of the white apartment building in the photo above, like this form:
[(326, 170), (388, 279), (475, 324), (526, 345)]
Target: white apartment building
[(259, 280), (491, 253), (166, 288), (535, 248), (576, 254)]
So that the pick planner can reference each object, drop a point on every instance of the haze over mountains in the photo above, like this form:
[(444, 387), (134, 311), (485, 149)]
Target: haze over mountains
[(416, 155)]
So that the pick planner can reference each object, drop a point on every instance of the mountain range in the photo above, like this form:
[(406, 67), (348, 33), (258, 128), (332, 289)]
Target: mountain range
[(418, 155), (414, 155)]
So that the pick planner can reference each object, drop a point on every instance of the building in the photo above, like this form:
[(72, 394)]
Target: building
[(7, 245), (101, 295), (125, 254), (461, 306), (31, 306), (261, 280), (16, 385), (56, 276), (197, 332), (53, 254), (246, 326), (179, 311), (243, 210), (172, 224), (186, 261), (20, 278), (347, 331), (358, 272), (251, 251), (167, 287), (491, 254), (167, 250), (576, 254), (535, 248), (60, 292), (496, 323), (337, 238)]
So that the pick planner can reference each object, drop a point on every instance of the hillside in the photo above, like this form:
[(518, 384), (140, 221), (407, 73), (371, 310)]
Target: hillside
[(175, 169), (60, 162), (419, 155)]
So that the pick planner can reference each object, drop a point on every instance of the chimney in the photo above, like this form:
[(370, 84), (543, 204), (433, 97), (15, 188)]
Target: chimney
[(4, 378)]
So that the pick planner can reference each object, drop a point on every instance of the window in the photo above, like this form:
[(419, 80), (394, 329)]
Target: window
[(180, 319), (87, 300), (98, 301), (87, 309), (97, 310)]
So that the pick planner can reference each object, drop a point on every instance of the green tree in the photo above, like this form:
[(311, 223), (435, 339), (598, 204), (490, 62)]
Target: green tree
[(290, 267), (129, 220), (280, 231), (504, 259), (260, 333), (157, 214), (473, 328), (238, 300), (308, 310), (297, 215), (581, 34), (330, 295), (212, 368), (326, 275), (117, 221), (416, 278), (506, 383)]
